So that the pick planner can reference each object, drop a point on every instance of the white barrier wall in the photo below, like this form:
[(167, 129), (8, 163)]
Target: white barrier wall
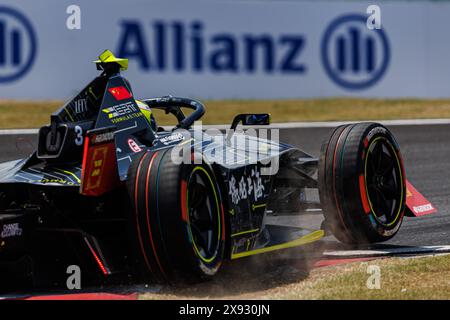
[(228, 49)]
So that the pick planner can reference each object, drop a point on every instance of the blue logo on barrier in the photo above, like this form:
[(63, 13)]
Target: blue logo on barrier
[(18, 45), (354, 56)]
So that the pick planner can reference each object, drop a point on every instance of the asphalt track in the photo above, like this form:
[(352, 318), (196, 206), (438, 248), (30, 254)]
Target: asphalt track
[(425, 149)]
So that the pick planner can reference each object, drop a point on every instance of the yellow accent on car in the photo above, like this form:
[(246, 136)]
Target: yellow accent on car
[(147, 114), (146, 111), (68, 113), (311, 237), (257, 206), (108, 57), (408, 193), (69, 173), (244, 232)]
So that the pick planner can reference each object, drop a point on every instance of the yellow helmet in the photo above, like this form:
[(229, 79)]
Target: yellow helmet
[(108, 57)]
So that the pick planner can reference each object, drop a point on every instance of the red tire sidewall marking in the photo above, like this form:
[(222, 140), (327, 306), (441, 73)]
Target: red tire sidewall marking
[(147, 211), (400, 158), (223, 219), (327, 151), (136, 205), (341, 217), (325, 163), (404, 184), (184, 214), (363, 193)]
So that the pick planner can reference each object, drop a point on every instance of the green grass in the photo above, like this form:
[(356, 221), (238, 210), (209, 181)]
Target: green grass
[(420, 278), (29, 114), (412, 278)]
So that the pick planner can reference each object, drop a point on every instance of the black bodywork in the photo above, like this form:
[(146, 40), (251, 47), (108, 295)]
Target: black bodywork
[(46, 224)]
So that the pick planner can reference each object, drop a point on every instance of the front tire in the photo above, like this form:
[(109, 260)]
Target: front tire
[(177, 218), (362, 183)]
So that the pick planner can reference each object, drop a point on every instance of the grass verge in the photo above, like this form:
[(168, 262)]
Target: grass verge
[(401, 279), (29, 114)]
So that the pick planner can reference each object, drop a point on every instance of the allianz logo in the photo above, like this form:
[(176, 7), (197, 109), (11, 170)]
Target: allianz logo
[(189, 46)]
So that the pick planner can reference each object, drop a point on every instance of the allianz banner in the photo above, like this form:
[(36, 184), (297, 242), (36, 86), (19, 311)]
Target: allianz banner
[(228, 49)]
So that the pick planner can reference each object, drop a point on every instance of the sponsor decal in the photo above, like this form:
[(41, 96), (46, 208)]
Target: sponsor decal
[(211, 52), (18, 44), (354, 56), (134, 146), (127, 117), (248, 186), (172, 138), (423, 208), (80, 105), (120, 93), (375, 131), (11, 230), (95, 178), (99, 169), (387, 232), (103, 137), (123, 112), (57, 181)]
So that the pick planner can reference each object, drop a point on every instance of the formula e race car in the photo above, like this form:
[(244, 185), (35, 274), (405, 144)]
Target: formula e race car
[(110, 191)]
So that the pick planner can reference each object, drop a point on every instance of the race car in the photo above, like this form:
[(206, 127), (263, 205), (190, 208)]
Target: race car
[(111, 192)]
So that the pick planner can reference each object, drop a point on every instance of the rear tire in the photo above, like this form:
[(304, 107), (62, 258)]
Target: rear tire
[(362, 183), (177, 218)]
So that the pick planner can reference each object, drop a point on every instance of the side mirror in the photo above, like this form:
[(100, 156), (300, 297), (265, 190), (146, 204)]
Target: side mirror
[(256, 119)]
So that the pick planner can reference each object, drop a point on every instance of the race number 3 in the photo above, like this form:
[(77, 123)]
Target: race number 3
[(79, 139)]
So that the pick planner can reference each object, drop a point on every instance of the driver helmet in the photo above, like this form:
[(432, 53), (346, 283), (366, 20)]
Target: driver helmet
[(147, 112)]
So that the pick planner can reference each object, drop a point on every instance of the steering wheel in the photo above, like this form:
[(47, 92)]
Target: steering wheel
[(173, 105)]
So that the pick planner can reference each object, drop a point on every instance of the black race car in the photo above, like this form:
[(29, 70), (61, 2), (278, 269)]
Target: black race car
[(112, 192)]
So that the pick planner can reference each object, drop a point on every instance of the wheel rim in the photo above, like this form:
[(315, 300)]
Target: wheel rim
[(384, 181), (204, 214)]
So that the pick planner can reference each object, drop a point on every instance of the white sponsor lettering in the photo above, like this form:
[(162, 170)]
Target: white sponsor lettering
[(247, 186), (108, 136), (374, 131), (80, 106), (423, 208), (11, 230), (174, 137), (120, 110)]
